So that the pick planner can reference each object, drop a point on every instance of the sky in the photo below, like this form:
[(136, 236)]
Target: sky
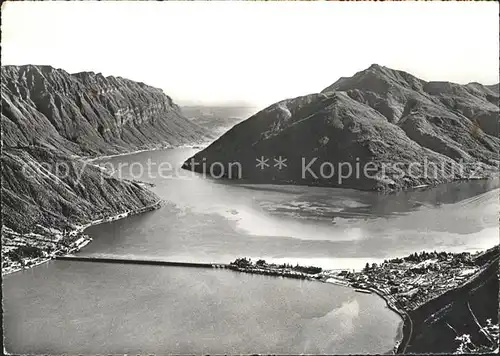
[(253, 52)]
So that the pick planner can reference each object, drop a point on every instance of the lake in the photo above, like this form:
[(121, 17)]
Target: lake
[(209, 220), (88, 308)]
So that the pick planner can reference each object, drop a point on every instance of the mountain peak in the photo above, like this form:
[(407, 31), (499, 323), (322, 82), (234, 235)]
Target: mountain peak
[(378, 79), (357, 80), (379, 115), (376, 66)]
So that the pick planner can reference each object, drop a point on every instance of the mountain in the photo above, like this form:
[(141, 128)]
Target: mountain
[(494, 88), (47, 197), (52, 119), (381, 129), (41, 186), (89, 114), (217, 119)]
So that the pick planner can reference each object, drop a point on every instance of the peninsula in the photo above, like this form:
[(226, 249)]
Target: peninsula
[(435, 293)]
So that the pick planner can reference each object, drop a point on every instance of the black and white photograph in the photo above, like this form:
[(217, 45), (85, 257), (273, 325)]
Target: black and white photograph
[(250, 177)]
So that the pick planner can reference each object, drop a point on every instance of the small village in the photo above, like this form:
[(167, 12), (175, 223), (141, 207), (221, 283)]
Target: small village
[(41, 244), (26, 250), (405, 283)]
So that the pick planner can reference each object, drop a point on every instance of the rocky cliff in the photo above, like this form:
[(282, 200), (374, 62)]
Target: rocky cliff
[(379, 129), (40, 186), (88, 114), (47, 197), (50, 117)]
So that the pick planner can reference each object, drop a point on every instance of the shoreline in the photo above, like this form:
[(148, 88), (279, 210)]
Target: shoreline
[(79, 229), (285, 272), (203, 145), (405, 318), (90, 159), (493, 176), (400, 336), (120, 216), (404, 333), (377, 280)]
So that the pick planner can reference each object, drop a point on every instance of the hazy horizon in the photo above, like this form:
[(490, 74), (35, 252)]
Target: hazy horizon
[(250, 53)]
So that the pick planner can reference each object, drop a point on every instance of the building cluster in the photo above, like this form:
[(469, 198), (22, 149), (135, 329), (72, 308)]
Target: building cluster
[(405, 283), (271, 269), (413, 280), (25, 250)]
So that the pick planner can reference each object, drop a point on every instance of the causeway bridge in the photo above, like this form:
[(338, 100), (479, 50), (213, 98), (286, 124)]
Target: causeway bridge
[(139, 261)]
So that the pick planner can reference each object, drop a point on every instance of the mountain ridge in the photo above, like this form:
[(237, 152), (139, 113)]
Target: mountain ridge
[(89, 114), (53, 120), (378, 115)]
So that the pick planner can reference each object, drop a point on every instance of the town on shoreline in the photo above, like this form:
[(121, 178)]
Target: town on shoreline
[(26, 250), (407, 284)]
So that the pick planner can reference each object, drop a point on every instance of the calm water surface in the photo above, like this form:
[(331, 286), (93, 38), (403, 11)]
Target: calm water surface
[(213, 221), (78, 307), (89, 308)]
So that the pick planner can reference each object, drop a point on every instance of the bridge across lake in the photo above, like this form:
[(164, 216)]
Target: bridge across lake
[(139, 261)]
